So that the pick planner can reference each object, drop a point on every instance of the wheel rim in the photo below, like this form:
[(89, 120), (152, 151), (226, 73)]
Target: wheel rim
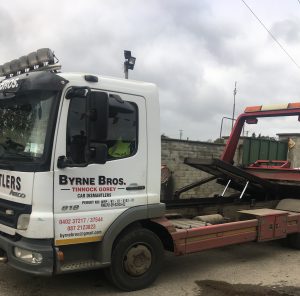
[(137, 260)]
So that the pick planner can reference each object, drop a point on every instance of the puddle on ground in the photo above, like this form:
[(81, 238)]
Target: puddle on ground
[(216, 288)]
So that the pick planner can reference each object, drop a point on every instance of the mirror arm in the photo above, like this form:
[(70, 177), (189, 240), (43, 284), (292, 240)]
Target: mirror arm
[(74, 88), (63, 162)]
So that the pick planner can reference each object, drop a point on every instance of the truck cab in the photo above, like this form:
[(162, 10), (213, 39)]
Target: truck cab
[(79, 162)]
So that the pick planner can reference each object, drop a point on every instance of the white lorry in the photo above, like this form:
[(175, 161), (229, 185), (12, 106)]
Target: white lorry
[(63, 202), (80, 178)]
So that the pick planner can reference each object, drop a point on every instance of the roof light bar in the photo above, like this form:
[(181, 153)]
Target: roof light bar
[(6, 68), (15, 66), (294, 105), (41, 59), (272, 107), (45, 55), (252, 109), (23, 63), (32, 59)]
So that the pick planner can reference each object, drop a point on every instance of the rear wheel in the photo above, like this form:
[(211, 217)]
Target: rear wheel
[(136, 260)]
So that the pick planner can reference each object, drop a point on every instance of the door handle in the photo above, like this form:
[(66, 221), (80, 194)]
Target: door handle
[(135, 187)]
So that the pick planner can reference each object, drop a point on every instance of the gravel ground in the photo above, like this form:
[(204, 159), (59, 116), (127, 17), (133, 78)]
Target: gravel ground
[(265, 269)]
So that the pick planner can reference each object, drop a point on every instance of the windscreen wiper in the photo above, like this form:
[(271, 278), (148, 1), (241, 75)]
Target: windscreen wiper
[(7, 165), (6, 92), (20, 155)]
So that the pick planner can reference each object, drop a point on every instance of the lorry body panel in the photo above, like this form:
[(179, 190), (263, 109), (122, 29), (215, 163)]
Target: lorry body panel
[(41, 217), (17, 186)]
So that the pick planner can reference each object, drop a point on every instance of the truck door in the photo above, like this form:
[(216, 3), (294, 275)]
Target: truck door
[(88, 196)]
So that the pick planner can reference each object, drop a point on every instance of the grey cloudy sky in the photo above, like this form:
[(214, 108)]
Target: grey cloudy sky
[(193, 50)]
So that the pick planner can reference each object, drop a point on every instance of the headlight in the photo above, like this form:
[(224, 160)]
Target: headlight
[(23, 221), (28, 256)]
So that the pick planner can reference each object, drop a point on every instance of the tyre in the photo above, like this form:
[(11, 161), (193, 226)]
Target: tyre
[(136, 260), (293, 240)]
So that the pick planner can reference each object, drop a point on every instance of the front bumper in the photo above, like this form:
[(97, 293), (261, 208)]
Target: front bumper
[(43, 247)]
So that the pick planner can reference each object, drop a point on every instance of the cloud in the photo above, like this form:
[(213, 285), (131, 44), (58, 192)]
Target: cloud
[(288, 30), (8, 31), (193, 50)]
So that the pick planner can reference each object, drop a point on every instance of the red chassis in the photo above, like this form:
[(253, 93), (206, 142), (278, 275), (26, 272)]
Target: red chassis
[(255, 225)]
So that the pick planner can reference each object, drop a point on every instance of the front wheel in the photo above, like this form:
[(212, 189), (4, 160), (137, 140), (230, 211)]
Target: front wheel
[(136, 260)]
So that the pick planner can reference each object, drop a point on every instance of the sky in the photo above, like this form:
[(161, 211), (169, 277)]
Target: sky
[(194, 50)]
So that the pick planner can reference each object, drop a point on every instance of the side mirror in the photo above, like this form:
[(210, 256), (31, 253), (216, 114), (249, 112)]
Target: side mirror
[(98, 154), (62, 162), (98, 117)]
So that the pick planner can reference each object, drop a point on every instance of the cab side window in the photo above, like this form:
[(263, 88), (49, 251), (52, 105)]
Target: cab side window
[(83, 130), (122, 137)]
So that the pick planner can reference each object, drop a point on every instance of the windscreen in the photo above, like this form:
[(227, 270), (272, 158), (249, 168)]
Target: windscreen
[(24, 125)]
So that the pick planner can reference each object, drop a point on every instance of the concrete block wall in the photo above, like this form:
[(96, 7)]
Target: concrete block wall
[(173, 154)]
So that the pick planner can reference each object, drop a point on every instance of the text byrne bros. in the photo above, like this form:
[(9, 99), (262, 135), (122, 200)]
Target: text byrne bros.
[(14, 183), (101, 180)]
